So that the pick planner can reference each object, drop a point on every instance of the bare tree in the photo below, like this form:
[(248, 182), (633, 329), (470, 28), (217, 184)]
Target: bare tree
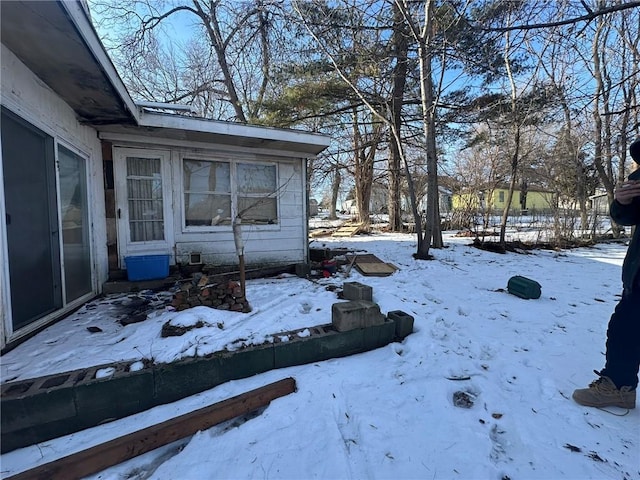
[(229, 63)]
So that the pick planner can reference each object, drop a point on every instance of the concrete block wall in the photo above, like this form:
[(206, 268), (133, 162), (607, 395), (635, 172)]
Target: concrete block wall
[(36, 410)]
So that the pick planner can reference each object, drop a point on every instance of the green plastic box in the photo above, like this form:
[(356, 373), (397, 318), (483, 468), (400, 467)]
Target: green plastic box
[(524, 287)]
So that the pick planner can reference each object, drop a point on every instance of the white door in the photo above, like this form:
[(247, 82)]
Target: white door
[(143, 202)]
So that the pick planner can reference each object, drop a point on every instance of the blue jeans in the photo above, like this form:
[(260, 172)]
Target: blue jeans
[(623, 341)]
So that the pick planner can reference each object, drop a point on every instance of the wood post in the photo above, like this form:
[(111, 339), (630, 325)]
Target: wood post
[(113, 452)]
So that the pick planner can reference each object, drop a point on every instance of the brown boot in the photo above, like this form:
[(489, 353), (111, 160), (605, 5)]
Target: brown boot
[(604, 393)]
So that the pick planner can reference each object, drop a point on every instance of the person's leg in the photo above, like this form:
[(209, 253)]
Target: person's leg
[(619, 378), (623, 343)]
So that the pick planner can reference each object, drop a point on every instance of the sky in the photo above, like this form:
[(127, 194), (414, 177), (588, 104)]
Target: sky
[(389, 412)]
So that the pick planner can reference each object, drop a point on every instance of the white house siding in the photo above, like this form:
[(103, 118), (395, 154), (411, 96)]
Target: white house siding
[(27, 96), (281, 243)]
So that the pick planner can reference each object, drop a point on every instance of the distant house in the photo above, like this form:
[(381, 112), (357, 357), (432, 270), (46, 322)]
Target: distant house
[(445, 201), (90, 177), (535, 199), (377, 202), (446, 186)]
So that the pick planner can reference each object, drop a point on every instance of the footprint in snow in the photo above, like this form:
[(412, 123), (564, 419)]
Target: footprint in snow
[(498, 451), (548, 389), (305, 307)]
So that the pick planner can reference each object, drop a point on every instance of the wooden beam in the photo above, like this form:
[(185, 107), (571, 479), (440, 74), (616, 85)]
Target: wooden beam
[(118, 450)]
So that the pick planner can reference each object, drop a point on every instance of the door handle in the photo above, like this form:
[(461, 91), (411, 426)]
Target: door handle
[(119, 213), (8, 219)]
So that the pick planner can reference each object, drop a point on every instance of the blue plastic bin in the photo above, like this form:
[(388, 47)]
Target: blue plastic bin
[(147, 267)]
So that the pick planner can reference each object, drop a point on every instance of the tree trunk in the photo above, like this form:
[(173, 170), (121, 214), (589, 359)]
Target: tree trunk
[(335, 191), (401, 47), (512, 185), (364, 156), (432, 233), (515, 119), (210, 22)]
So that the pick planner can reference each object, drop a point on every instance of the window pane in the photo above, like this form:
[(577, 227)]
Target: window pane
[(207, 197), (144, 190), (75, 224), (206, 176), (258, 210), (255, 178), (207, 209)]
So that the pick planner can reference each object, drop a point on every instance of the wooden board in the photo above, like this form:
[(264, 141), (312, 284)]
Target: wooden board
[(96, 459), (323, 232), (375, 269), (371, 266), (347, 231)]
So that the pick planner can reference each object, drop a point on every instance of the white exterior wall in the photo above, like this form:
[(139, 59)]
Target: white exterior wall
[(263, 244), (282, 243), (29, 97)]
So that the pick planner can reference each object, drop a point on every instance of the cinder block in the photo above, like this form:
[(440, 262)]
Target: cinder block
[(122, 394), (335, 344), (249, 361), (49, 399), (377, 336), (298, 350), (357, 291), (34, 413), (355, 314), (177, 380), (18, 439), (403, 321), (38, 433)]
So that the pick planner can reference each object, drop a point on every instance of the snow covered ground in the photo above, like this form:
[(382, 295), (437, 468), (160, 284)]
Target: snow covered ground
[(388, 413)]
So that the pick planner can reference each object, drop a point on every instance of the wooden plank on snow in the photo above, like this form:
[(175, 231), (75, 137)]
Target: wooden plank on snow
[(375, 269), (100, 457), (347, 230), (370, 265)]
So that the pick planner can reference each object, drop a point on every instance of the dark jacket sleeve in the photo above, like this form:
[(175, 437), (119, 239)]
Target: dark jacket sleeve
[(625, 214), (629, 215)]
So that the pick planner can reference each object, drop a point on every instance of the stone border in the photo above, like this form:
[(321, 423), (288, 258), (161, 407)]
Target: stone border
[(36, 410)]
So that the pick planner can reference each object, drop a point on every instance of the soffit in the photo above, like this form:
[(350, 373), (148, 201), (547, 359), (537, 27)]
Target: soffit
[(57, 42)]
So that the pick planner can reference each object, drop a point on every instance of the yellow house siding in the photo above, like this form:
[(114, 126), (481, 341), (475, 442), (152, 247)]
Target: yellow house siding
[(497, 201)]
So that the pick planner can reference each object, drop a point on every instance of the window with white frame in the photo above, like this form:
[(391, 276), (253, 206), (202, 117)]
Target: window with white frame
[(216, 191), (256, 193)]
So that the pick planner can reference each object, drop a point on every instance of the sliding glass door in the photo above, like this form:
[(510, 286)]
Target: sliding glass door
[(33, 241), (47, 223), (76, 248)]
